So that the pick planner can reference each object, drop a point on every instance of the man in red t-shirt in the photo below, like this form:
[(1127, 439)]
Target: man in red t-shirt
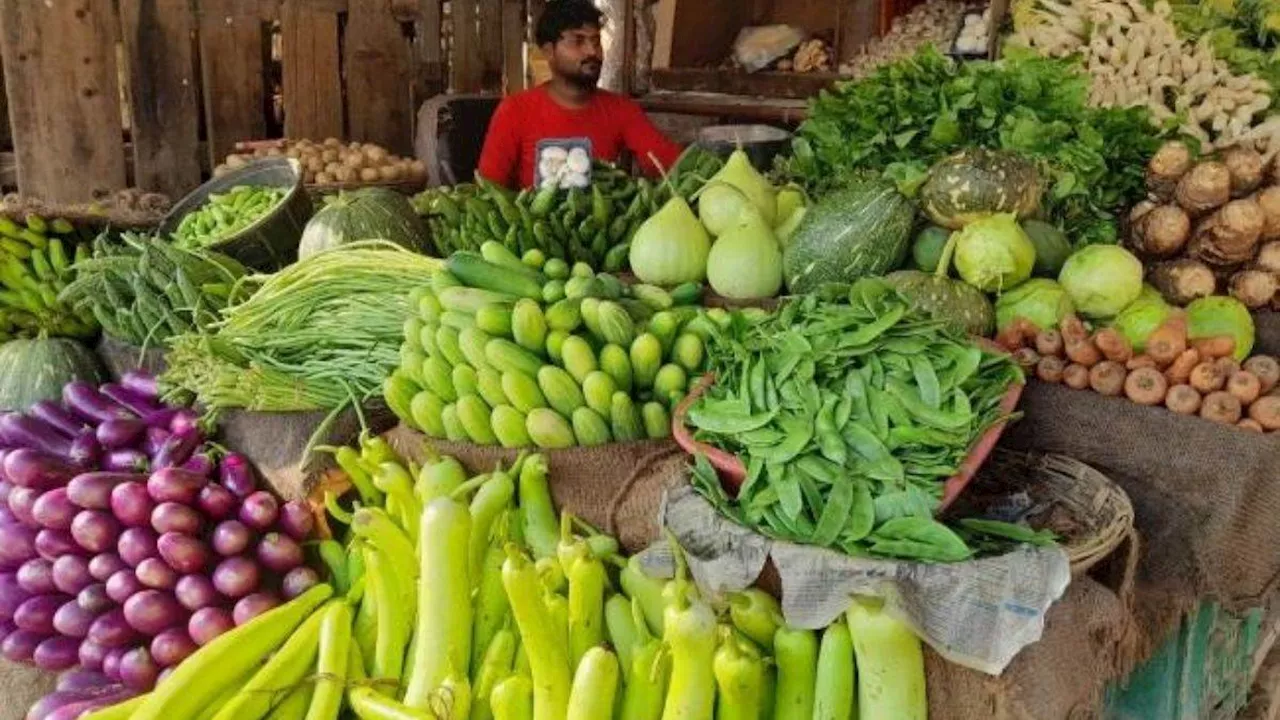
[(544, 134)]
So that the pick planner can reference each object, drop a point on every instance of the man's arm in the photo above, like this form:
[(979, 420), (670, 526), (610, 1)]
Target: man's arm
[(645, 141), (500, 156)]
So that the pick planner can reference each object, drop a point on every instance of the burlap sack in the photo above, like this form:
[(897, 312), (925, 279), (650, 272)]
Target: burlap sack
[(20, 687), (1267, 328), (275, 442), (1205, 498), (121, 357)]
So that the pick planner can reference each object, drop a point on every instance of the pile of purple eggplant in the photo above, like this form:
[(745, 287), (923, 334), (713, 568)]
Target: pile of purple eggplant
[(127, 541)]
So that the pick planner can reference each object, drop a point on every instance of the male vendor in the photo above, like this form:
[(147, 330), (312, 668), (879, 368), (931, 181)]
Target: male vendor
[(568, 112)]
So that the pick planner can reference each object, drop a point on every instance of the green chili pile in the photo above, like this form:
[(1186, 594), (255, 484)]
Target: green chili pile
[(849, 417)]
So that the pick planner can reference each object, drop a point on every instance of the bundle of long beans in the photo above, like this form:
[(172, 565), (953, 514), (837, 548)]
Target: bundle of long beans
[(317, 335)]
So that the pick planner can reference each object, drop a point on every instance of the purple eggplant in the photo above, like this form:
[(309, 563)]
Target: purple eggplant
[(123, 585), (185, 420), (78, 680), (57, 653), (71, 574), (86, 402), (127, 460), (140, 406), (177, 448), (74, 710), (176, 517), (183, 552), (57, 417), (235, 475), (104, 565), (217, 502), (20, 502), (201, 463), (63, 697), (12, 594), (92, 655), (95, 530), (38, 469), (120, 433), (131, 504), (296, 520), (92, 490), (54, 509), (154, 439), (112, 630), (251, 606), (95, 600), (173, 646), (156, 574), (20, 645), (18, 544), (36, 577), (53, 544), (173, 484), (136, 544), (138, 670), (36, 614), (73, 620), (86, 451), (152, 611), (23, 431), (141, 384)]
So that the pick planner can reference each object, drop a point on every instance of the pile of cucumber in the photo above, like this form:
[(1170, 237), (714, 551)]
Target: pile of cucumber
[(523, 352), (35, 265)]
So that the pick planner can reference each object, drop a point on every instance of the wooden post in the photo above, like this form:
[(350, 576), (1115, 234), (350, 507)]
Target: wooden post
[(379, 77), (467, 72), (232, 69), (491, 54), (6, 136), (513, 45), (60, 74), (312, 74), (430, 53), (165, 116)]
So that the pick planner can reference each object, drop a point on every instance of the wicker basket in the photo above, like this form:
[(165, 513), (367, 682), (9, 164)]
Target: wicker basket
[(1091, 514), (318, 191)]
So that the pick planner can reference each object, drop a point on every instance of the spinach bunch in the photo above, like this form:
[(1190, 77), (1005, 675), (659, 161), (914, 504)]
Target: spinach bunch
[(910, 113), (849, 417)]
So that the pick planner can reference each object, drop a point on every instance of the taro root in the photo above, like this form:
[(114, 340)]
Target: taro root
[(1162, 232), (1205, 187), (1181, 281), (1268, 200), (1254, 288), (1268, 258), (1245, 167), (1229, 237), (1166, 167)]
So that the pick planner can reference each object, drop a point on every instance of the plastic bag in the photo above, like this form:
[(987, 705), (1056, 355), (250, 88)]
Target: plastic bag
[(757, 47)]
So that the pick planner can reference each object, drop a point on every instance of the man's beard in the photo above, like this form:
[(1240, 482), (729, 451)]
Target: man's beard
[(586, 77)]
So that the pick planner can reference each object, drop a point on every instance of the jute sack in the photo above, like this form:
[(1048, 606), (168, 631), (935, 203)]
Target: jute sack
[(120, 357), (20, 686)]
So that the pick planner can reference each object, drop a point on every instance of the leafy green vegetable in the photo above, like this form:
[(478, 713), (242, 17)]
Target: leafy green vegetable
[(849, 417), (913, 112)]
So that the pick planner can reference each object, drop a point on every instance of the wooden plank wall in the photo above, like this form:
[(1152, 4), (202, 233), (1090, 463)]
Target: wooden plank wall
[(198, 79)]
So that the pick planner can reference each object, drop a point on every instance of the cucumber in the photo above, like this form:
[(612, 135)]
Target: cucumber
[(476, 272)]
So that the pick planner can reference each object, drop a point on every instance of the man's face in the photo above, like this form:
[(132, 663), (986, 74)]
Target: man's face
[(577, 56)]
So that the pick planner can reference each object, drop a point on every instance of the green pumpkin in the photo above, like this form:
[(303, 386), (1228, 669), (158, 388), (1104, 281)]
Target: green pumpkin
[(926, 249), (976, 182), (366, 214), (960, 305), (1052, 247), (36, 369)]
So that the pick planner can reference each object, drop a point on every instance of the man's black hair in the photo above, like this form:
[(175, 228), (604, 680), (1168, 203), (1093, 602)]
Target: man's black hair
[(562, 15)]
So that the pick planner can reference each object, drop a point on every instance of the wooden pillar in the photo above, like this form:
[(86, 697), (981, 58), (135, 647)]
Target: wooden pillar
[(379, 77), (312, 72), (232, 68)]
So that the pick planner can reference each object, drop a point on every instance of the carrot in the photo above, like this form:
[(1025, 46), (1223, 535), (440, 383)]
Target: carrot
[(1140, 361), (1083, 352), (1266, 411), (1207, 378), (1266, 369), (1222, 407), (1026, 358), (1049, 342), (1050, 369), (1107, 378), (1146, 386), (1249, 424), (1180, 371), (1183, 399), (1169, 340), (1244, 385), (1072, 328), (1114, 346), (1215, 347), (1018, 334), (1076, 376)]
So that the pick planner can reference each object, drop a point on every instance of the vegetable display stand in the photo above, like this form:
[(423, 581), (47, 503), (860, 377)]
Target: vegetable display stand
[(616, 487), (121, 357), (276, 442), (271, 242)]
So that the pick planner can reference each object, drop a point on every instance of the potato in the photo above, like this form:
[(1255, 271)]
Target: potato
[(390, 173), (236, 161), (332, 142), (323, 178), (315, 165), (346, 175), (329, 156), (375, 153), (419, 168), (369, 175)]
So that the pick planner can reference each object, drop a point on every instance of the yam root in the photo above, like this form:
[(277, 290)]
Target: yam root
[(1166, 168), (1181, 281), (1229, 236), (1207, 377), (1222, 407), (1268, 259), (1049, 342), (1269, 200), (1180, 371), (1050, 368), (1019, 333), (1169, 340), (1254, 288), (1266, 369), (1076, 376), (1146, 386), (1203, 188), (1162, 233), (1212, 348), (1183, 399), (1227, 366), (1107, 378), (1113, 346), (1245, 165), (1140, 361), (1245, 386), (1266, 411), (1027, 358), (1250, 424)]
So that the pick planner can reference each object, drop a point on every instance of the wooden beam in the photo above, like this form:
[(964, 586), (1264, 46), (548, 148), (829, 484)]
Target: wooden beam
[(513, 44), (6, 136), (430, 54), (165, 119), (379, 78), (60, 75), (232, 68), (491, 55), (467, 63), (312, 72)]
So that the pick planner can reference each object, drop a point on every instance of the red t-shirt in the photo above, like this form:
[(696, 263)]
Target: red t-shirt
[(610, 121)]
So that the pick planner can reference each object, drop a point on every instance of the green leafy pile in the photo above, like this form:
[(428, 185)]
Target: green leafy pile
[(849, 417), (913, 112), (1244, 33)]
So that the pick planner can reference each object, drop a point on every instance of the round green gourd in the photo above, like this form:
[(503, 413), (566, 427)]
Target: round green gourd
[(926, 249), (962, 306), (1052, 247), (976, 182), (36, 369), (365, 214)]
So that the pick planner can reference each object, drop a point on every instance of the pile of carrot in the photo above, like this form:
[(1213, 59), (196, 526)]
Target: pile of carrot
[(1190, 377)]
